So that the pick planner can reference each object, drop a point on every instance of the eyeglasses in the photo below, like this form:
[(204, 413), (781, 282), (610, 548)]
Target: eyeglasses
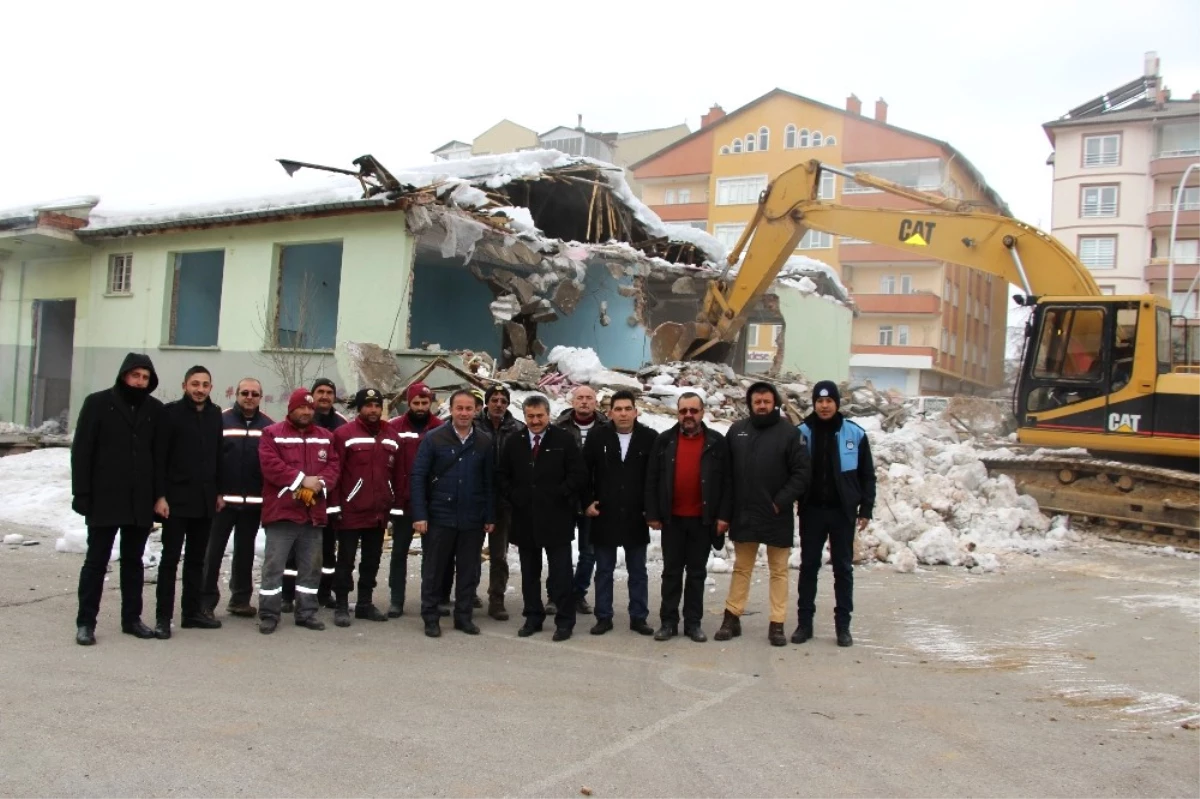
[(689, 411), (249, 394)]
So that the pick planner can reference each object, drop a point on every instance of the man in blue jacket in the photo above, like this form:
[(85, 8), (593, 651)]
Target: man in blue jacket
[(453, 505), (840, 501)]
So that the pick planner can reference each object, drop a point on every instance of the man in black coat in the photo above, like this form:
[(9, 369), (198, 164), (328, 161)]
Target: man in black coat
[(113, 488), (542, 474), (498, 422), (688, 498), (770, 475), (241, 492), (187, 455), (617, 456)]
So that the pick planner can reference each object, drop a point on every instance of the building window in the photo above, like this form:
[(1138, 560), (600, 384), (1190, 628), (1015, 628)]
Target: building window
[(816, 139), (1098, 201), (953, 344), (1178, 139), (830, 141), (1188, 201), (728, 235), (1098, 252), (803, 137), (816, 240), (887, 284), (310, 277), (850, 240), (740, 191), (669, 197), (764, 138), (1185, 304), (120, 273), (195, 312), (1187, 251), (725, 149), (885, 335), (945, 340), (902, 335), (789, 137), (685, 196), (906, 284), (1101, 150), (737, 145), (828, 187), (750, 142), (920, 173)]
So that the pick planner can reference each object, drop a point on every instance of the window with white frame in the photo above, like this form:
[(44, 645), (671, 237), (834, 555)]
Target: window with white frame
[(740, 191), (1186, 251), (1102, 150), (906, 284), (725, 149), (764, 138), (816, 139), (830, 141), (887, 284), (1098, 252), (803, 142), (728, 235), (685, 196), (902, 335), (737, 145), (919, 173), (816, 240), (1189, 200), (789, 137), (1185, 304), (120, 273), (1178, 138), (828, 187), (885, 335), (669, 197), (751, 141), (1098, 201)]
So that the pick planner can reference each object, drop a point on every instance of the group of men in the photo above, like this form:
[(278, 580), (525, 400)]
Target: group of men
[(325, 488)]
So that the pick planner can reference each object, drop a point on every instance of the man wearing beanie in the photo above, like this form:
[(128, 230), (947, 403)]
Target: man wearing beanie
[(840, 501), (498, 422), (410, 428), (770, 475), (299, 465), (365, 496)]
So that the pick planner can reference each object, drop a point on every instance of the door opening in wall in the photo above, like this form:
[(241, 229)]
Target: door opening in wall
[(53, 348)]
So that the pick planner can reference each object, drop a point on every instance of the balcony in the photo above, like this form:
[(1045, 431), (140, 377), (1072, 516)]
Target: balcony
[(922, 303), (681, 212), (892, 356), (1159, 216), (1172, 164), (1185, 269)]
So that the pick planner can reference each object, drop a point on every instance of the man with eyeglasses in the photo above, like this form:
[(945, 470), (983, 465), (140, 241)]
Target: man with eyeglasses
[(241, 490), (688, 499)]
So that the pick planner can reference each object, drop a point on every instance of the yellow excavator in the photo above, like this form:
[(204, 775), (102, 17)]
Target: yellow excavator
[(1097, 370)]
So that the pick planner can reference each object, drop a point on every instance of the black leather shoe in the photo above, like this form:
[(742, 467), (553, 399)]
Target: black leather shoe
[(582, 607), (843, 637), (311, 624), (468, 627), (696, 634), (200, 623), (562, 633), (803, 632), (395, 611), (433, 629), (666, 632), (528, 629), (601, 626), (137, 629), (86, 636), (267, 626), (287, 606), (162, 630), (369, 613), (640, 627)]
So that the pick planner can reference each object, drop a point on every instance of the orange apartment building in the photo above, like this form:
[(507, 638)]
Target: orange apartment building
[(922, 326)]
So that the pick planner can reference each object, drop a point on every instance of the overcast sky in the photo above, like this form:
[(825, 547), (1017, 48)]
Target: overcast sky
[(148, 104)]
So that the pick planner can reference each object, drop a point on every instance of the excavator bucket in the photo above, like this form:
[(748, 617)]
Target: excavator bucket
[(675, 341)]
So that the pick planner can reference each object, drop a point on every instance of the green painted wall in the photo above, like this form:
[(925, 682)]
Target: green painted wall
[(816, 335)]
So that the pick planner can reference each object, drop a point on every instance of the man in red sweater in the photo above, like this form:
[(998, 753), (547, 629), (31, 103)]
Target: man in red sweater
[(687, 498)]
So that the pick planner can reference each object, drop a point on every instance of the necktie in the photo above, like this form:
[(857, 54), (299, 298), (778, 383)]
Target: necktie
[(537, 443)]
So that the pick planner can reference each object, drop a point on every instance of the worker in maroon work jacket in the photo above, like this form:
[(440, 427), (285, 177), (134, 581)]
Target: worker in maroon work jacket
[(361, 502), (410, 427), (299, 464)]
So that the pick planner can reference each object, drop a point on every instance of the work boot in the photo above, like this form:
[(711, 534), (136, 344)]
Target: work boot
[(85, 636), (731, 627), (341, 614), (395, 610), (497, 610), (245, 611), (803, 631), (267, 626), (843, 634), (287, 606), (433, 629), (640, 627), (695, 633), (369, 612), (162, 630), (775, 634), (666, 632), (467, 626), (601, 626), (311, 624)]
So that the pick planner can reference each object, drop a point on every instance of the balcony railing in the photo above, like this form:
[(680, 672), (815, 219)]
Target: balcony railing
[(1177, 154), (1183, 206)]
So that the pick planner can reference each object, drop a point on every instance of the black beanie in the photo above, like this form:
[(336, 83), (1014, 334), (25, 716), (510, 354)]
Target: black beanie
[(324, 381), (827, 388), (366, 395)]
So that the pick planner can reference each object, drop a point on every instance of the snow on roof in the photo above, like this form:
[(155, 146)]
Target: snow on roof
[(65, 204)]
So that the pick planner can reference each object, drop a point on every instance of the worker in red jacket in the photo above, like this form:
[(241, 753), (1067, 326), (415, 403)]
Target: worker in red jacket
[(299, 465), (365, 496)]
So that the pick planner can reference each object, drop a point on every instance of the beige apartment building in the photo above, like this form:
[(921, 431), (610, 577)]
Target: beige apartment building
[(1118, 161)]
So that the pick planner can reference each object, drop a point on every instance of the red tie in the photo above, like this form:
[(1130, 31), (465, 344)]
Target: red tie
[(537, 443)]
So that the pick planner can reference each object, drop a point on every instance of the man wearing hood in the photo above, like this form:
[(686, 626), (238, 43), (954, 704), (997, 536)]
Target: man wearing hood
[(771, 473), (187, 455), (498, 422), (113, 488), (840, 502), (410, 428), (580, 420)]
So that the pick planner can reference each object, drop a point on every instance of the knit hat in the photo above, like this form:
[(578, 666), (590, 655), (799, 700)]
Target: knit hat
[(366, 395), (300, 398), (827, 388), (418, 390), (495, 389), (324, 381)]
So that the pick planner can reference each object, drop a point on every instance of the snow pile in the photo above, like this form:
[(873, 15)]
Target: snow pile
[(583, 366), (47, 428)]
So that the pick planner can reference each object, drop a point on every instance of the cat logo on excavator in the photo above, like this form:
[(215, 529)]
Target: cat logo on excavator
[(1124, 422), (916, 232)]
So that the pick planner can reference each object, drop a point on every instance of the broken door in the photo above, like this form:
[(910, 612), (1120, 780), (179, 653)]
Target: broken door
[(53, 347)]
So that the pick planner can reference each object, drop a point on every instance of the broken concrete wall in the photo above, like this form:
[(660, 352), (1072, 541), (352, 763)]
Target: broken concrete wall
[(602, 320), (450, 307), (816, 335)]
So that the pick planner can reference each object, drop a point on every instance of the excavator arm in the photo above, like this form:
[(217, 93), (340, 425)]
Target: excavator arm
[(951, 231)]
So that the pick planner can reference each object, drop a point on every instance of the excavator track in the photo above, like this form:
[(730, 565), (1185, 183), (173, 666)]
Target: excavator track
[(1131, 503)]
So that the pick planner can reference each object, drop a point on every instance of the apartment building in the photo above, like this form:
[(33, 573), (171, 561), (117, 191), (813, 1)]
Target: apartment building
[(923, 326), (1118, 161)]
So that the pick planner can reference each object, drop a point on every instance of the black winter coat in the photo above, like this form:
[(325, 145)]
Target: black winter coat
[(187, 455), (714, 477), (770, 466), (241, 470), (112, 455), (618, 485), (545, 493)]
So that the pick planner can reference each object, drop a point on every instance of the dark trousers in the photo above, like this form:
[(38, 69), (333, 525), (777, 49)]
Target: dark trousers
[(189, 538), (685, 544), (300, 544), (498, 556), (816, 525), (587, 559), (558, 583), (635, 564), (328, 558), (243, 521), (449, 569), (439, 546), (372, 552), (95, 566), (402, 536)]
